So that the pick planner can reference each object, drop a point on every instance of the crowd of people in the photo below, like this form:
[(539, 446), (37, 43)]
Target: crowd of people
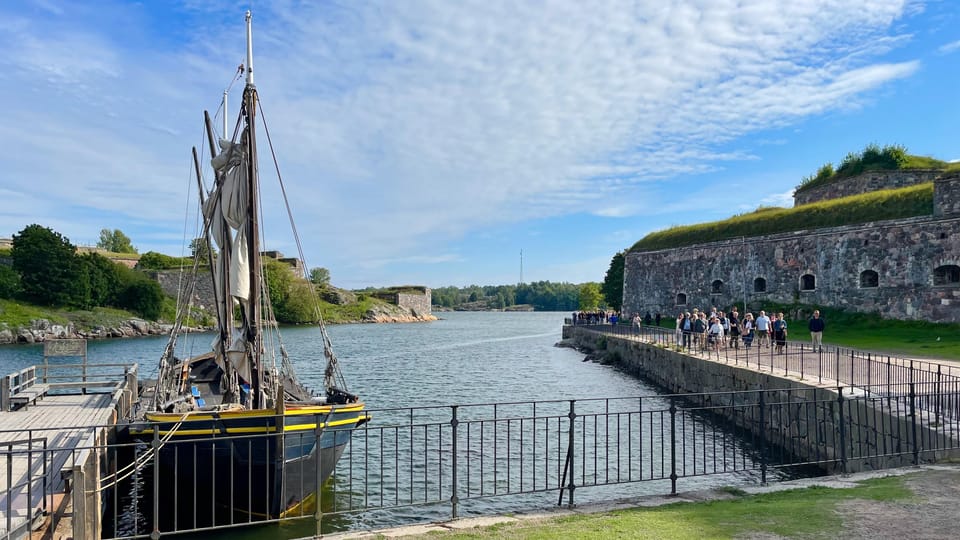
[(717, 329)]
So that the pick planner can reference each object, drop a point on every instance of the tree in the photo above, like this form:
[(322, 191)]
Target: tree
[(201, 249), (9, 282), (590, 296), (115, 241), (291, 296), (102, 277), (49, 269), (612, 287), (320, 276), (143, 296)]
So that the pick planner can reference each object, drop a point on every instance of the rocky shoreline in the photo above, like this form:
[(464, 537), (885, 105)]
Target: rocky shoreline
[(41, 330)]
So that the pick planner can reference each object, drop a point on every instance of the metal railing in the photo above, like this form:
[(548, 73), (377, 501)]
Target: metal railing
[(445, 461), (827, 365)]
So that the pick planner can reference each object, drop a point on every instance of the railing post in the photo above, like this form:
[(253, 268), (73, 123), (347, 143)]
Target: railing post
[(454, 500), (939, 403), (318, 511), (763, 440), (155, 446), (673, 446), (571, 486), (837, 372), (913, 419), (843, 432)]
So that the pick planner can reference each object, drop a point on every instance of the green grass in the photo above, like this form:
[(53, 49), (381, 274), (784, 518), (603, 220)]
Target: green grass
[(347, 313), (15, 313), (870, 332), (873, 206), (810, 512), (872, 158)]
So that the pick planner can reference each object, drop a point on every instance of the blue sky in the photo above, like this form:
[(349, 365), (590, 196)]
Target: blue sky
[(430, 142)]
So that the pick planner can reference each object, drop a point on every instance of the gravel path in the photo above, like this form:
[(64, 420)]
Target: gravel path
[(933, 513)]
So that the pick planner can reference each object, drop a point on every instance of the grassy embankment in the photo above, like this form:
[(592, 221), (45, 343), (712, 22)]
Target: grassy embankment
[(19, 314), (873, 158), (873, 206), (803, 513)]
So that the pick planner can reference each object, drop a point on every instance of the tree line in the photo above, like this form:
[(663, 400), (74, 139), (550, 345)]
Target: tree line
[(542, 295), (46, 269)]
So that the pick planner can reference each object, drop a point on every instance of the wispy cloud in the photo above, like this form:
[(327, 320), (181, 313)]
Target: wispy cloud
[(947, 48), (402, 126)]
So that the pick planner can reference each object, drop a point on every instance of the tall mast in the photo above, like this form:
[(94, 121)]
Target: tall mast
[(226, 136), (254, 338)]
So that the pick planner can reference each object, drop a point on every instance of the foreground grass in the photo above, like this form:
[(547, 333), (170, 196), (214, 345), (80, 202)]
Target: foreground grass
[(810, 512)]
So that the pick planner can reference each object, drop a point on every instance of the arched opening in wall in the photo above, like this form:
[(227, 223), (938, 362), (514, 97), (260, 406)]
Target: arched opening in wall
[(869, 279), (808, 282), (716, 287), (759, 285), (948, 274), (681, 299)]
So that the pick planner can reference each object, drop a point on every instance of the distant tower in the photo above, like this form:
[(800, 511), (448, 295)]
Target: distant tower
[(521, 267)]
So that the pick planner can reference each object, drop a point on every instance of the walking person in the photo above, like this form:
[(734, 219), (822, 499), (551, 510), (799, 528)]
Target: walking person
[(748, 330), (763, 329), (779, 326), (816, 326)]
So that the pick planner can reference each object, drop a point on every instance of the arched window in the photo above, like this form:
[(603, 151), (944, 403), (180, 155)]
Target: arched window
[(759, 285), (808, 282), (681, 299), (716, 287), (948, 274), (869, 279)]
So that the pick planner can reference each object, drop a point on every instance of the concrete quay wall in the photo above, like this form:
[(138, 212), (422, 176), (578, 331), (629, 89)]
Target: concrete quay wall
[(810, 424)]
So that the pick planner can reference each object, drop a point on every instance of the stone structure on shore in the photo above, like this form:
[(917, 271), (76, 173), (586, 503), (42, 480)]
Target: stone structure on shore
[(902, 269)]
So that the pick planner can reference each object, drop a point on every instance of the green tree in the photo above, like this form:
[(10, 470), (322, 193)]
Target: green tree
[(612, 287), (115, 241), (102, 277), (320, 276), (152, 260), (141, 295), (201, 249), (49, 270), (9, 282), (590, 296), (291, 296)]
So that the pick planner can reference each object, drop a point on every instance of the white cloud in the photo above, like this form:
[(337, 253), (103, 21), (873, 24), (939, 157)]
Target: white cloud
[(948, 48), (404, 125)]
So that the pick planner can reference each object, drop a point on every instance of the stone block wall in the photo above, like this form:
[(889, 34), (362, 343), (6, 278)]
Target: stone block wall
[(868, 181), (169, 281), (801, 420), (418, 304), (946, 196), (889, 267)]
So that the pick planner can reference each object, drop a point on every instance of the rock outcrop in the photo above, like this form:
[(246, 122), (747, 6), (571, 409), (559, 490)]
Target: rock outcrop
[(41, 330), (389, 313)]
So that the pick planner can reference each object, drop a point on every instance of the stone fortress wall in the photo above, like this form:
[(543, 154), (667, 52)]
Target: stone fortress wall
[(904, 269), (868, 181)]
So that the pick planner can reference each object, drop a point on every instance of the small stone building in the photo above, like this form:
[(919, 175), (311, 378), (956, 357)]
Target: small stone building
[(902, 269)]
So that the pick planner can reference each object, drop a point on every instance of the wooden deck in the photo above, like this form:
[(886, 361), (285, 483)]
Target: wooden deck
[(42, 445)]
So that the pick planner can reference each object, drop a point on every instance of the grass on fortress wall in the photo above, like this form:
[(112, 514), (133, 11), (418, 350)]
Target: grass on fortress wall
[(15, 313), (801, 513), (873, 206)]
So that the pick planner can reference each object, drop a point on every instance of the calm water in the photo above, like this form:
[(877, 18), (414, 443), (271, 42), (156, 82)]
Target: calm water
[(463, 358)]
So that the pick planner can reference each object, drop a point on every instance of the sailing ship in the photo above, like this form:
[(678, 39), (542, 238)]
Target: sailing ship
[(234, 429)]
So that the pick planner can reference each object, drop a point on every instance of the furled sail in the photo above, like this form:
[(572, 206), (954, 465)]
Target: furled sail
[(226, 210)]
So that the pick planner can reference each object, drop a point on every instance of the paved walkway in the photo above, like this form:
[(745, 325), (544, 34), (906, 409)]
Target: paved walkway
[(932, 514)]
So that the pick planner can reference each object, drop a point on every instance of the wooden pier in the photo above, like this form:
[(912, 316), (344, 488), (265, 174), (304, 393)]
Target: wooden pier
[(55, 424)]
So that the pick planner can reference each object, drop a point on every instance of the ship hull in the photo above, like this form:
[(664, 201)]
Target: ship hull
[(239, 466)]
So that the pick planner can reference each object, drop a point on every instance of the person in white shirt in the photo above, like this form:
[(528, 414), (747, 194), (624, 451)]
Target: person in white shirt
[(715, 332), (763, 330)]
